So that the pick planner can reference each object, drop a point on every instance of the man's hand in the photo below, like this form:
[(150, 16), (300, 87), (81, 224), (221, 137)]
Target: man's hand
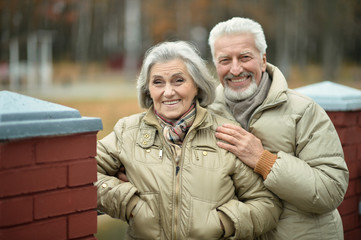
[(247, 147), (122, 174)]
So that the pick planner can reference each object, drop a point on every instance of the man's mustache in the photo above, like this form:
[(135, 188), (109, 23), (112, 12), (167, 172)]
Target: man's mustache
[(230, 76)]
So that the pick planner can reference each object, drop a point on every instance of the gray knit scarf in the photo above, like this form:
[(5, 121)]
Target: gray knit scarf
[(242, 110)]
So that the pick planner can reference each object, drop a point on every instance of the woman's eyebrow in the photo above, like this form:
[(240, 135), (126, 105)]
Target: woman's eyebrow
[(177, 74)]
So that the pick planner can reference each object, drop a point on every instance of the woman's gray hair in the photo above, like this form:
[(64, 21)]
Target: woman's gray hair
[(235, 26), (196, 66)]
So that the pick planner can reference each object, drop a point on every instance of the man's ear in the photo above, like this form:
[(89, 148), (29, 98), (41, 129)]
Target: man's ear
[(264, 62)]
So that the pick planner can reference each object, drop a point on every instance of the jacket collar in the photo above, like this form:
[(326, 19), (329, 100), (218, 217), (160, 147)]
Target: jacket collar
[(150, 125), (277, 92)]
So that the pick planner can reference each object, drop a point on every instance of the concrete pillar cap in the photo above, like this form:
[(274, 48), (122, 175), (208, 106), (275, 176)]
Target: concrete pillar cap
[(24, 117), (333, 96)]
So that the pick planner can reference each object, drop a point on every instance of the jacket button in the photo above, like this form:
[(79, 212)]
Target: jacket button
[(145, 142), (148, 150), (146, 135), (205, 153), (104, 185)]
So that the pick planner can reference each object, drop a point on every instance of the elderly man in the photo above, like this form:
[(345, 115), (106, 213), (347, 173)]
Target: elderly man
[(286, 137)]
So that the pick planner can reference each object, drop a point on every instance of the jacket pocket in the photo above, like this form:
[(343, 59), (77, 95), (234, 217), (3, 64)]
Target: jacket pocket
[(205, 157), (145, 223), (204, 222), (151, 155)]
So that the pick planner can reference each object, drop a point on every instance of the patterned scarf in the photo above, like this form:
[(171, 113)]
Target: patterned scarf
[(175, 131)]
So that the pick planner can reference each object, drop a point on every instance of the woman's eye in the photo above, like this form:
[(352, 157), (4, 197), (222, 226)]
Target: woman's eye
[(178, 81), (157, 82)]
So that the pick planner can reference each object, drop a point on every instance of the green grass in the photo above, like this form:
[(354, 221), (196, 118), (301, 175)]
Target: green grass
[(110, 228)]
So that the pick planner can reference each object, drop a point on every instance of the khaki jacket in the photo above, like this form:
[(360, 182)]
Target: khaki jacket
[(180, 201), (310, 175)]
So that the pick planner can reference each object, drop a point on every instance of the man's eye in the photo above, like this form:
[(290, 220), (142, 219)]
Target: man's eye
[(245, 58)]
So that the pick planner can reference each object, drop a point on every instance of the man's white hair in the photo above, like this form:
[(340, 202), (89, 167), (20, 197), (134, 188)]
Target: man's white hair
[(238, 25)]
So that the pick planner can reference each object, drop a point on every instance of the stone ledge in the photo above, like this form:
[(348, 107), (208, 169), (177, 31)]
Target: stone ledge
[(332, 96), (23, 117)]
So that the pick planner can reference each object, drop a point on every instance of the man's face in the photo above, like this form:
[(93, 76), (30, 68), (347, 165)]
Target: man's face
[(239, 65)]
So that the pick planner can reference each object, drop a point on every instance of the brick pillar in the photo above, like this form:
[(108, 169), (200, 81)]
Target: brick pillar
[(343, 105), (47, 170)]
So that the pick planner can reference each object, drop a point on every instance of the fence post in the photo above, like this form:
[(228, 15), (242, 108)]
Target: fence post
[(47, 170)]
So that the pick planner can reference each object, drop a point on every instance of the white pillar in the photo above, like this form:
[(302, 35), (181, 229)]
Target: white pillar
[(32, 61), (14, 68), (46, 64), (132, 34)]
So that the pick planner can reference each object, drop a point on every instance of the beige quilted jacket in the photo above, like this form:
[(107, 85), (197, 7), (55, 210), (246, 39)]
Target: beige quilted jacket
[(180, 201), (310, 175)]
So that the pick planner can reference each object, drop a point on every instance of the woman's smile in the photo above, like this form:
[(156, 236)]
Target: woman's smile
[(171, 88)]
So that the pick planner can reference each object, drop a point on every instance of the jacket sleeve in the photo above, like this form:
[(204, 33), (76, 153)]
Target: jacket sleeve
[(113, 195), (315, 177), (257, 210)]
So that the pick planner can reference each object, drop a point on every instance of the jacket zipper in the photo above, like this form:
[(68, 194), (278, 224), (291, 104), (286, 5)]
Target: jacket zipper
[(176, 204), (177, 188)]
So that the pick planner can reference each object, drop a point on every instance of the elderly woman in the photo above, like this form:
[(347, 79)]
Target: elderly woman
[(181, 185)]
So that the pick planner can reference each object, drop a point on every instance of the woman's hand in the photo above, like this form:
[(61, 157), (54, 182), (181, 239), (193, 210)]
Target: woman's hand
[(121, 174)]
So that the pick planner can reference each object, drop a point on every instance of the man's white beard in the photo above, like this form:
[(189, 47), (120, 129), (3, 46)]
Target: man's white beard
[(234, 95)]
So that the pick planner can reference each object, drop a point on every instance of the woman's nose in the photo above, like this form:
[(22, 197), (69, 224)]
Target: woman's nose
[(168, 91)]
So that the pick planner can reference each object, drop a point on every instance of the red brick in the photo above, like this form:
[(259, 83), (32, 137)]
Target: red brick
[(349, 222), (16, 211), (82, 172), (344, 118), (351, 135), (354, 169), (64, 148), (353, 234), (349, 206), (350, 152), (342, 135), (82, 224), (351, 189), (17, 153), (51, 229), (33, 179), (359, 152), (92, 237), (358, 186), (64, 202)]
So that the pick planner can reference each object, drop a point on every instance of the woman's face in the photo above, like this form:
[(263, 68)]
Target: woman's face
[(172, 88)]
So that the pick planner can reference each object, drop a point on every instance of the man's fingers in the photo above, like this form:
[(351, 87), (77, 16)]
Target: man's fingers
[(228, 147), (229, 138), (235, 133), (239, 129)]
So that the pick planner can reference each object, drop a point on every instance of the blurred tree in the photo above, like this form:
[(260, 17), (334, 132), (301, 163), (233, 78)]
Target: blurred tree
[(327, 32)]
